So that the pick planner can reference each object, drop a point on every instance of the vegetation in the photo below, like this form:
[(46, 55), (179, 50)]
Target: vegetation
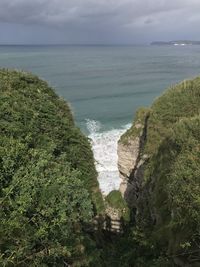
[(180, 101), (137, 128), (48, 185), (115, 200), (177, 191), (49, 192), (168, 210), (133, 249)]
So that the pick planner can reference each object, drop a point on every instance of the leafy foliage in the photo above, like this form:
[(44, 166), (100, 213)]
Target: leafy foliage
[(177, 189), (115, 200), (49, 191), (48, 185), (168, 207), (136, 129), (178, 102), (172, 172)]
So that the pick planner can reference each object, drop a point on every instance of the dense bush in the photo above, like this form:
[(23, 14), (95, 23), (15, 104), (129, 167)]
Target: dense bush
[(49, 192), (116, 201), (166, 231), (171, 183), (177, 190), (48, 185), (178, 102)]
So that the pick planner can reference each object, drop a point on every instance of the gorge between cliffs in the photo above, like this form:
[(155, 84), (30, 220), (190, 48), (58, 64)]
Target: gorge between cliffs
[(158, 164), (52, 210)]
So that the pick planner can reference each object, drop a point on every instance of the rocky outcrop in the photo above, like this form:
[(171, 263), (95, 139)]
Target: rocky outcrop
[(159, 165), (127, 158), (130, 159)]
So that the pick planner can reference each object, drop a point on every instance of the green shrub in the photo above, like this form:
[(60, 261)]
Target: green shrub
[(115, 200), (172, 171), (136, 129), (177, 188), (168, 206), (179, 102), (48, 185)]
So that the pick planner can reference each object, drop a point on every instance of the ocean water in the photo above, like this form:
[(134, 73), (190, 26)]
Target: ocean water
[(105, 85)]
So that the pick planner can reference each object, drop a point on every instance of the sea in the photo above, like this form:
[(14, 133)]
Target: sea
[(104, 86)]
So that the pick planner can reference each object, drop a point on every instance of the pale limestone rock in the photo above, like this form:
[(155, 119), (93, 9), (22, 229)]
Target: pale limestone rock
[(127, 159), (131, 161)]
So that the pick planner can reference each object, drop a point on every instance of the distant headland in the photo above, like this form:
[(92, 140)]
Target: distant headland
[(178, 42)]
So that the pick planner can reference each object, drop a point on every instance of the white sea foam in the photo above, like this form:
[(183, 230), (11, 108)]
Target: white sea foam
[(104, 145)]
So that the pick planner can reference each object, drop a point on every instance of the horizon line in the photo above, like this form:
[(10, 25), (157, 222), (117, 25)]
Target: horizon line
[(75, 44)]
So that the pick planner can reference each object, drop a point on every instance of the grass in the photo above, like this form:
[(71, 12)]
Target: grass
[(31, 112), (115, 200), (137, 127), (171, 186)]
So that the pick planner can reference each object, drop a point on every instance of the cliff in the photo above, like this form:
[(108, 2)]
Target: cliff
[(159, 162), (49, 195), (130, 158), (48, 182)]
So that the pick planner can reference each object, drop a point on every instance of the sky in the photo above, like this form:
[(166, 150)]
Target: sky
[(98, 21)]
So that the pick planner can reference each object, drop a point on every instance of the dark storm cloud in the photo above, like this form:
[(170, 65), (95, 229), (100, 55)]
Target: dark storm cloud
[(103, 19)]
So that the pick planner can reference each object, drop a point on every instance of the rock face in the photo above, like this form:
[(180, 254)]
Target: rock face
[(159, 163), (129, 158)]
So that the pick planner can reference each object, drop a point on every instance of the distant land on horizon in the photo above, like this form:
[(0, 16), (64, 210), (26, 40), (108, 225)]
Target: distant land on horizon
[(177, 42)]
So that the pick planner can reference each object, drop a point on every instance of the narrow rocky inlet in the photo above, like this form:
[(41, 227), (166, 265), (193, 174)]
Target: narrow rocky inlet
[(104, 146)]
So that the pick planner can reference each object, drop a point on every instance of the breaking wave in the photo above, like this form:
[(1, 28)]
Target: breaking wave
[(104, 146)]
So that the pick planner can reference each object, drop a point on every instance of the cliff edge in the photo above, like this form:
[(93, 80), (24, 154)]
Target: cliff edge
[(159, 163), (48, 182)]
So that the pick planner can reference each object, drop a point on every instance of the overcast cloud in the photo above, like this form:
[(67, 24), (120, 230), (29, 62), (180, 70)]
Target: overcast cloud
[(98, 21)]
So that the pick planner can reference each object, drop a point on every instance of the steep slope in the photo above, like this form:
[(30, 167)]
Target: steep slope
[(161, 181), (48, 185)]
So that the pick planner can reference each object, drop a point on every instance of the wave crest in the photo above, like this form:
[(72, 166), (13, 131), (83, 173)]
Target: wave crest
[(93, 126), (104, 146)]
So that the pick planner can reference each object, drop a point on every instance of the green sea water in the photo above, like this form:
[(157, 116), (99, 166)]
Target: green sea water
[(106, 83)]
